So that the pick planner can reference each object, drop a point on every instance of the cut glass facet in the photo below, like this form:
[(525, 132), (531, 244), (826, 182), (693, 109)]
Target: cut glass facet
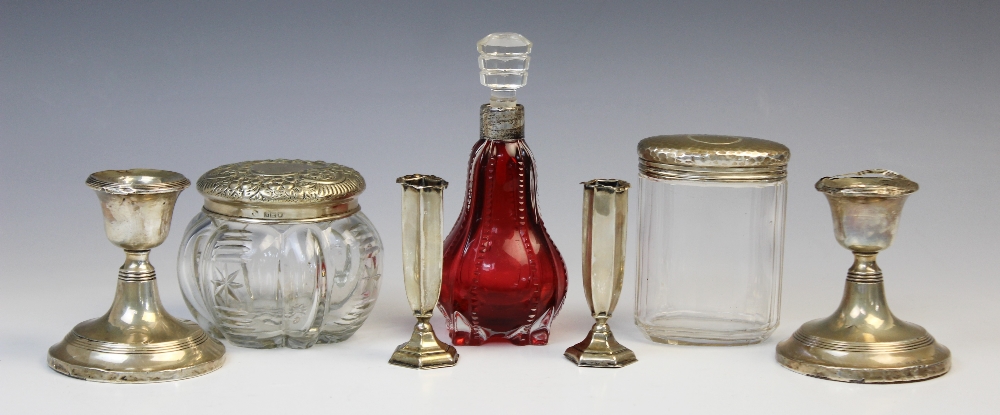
[(503, 64)]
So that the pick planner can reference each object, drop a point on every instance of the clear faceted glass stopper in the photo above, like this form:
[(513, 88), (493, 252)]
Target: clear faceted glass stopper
[(503, 64)]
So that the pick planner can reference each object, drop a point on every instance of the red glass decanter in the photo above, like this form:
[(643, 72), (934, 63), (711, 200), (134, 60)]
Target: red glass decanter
[(503, 277)]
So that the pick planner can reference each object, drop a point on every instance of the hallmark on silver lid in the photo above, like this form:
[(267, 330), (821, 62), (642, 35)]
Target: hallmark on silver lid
[(280, 190)]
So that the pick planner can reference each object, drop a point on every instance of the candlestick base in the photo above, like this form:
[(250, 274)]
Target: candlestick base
[(87, 354), (848, 347)]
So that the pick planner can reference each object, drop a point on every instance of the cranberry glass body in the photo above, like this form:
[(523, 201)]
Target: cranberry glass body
[(503, 277)]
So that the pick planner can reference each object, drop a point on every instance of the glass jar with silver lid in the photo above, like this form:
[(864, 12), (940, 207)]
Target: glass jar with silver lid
[(711, 238), (281, 254)]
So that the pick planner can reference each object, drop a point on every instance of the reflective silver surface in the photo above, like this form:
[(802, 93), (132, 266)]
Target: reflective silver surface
[(422, 240), (605, 221), (281, 191), (712, 158), (136, 341), (863, 342)]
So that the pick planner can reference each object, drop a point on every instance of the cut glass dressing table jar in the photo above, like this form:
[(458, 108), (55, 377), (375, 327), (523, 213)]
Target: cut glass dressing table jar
[(711, 238), (281, 254)]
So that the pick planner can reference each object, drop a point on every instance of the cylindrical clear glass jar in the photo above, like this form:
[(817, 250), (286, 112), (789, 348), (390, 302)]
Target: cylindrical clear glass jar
[(711, 238), (281, 254)]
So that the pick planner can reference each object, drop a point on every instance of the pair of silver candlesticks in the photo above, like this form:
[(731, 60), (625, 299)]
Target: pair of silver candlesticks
[(138, 341), (605, 219)]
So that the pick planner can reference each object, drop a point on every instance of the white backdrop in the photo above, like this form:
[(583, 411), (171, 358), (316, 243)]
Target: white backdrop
[(391, 88)]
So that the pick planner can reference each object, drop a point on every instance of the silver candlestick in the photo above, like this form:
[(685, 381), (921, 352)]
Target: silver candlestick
[(136, 341), (864, 342)]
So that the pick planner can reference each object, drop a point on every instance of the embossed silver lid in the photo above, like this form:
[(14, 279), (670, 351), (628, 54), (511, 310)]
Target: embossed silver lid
[(715, 158), (281, 191)]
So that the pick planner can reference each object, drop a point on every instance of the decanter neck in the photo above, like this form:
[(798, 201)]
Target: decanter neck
[(501, 123)]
